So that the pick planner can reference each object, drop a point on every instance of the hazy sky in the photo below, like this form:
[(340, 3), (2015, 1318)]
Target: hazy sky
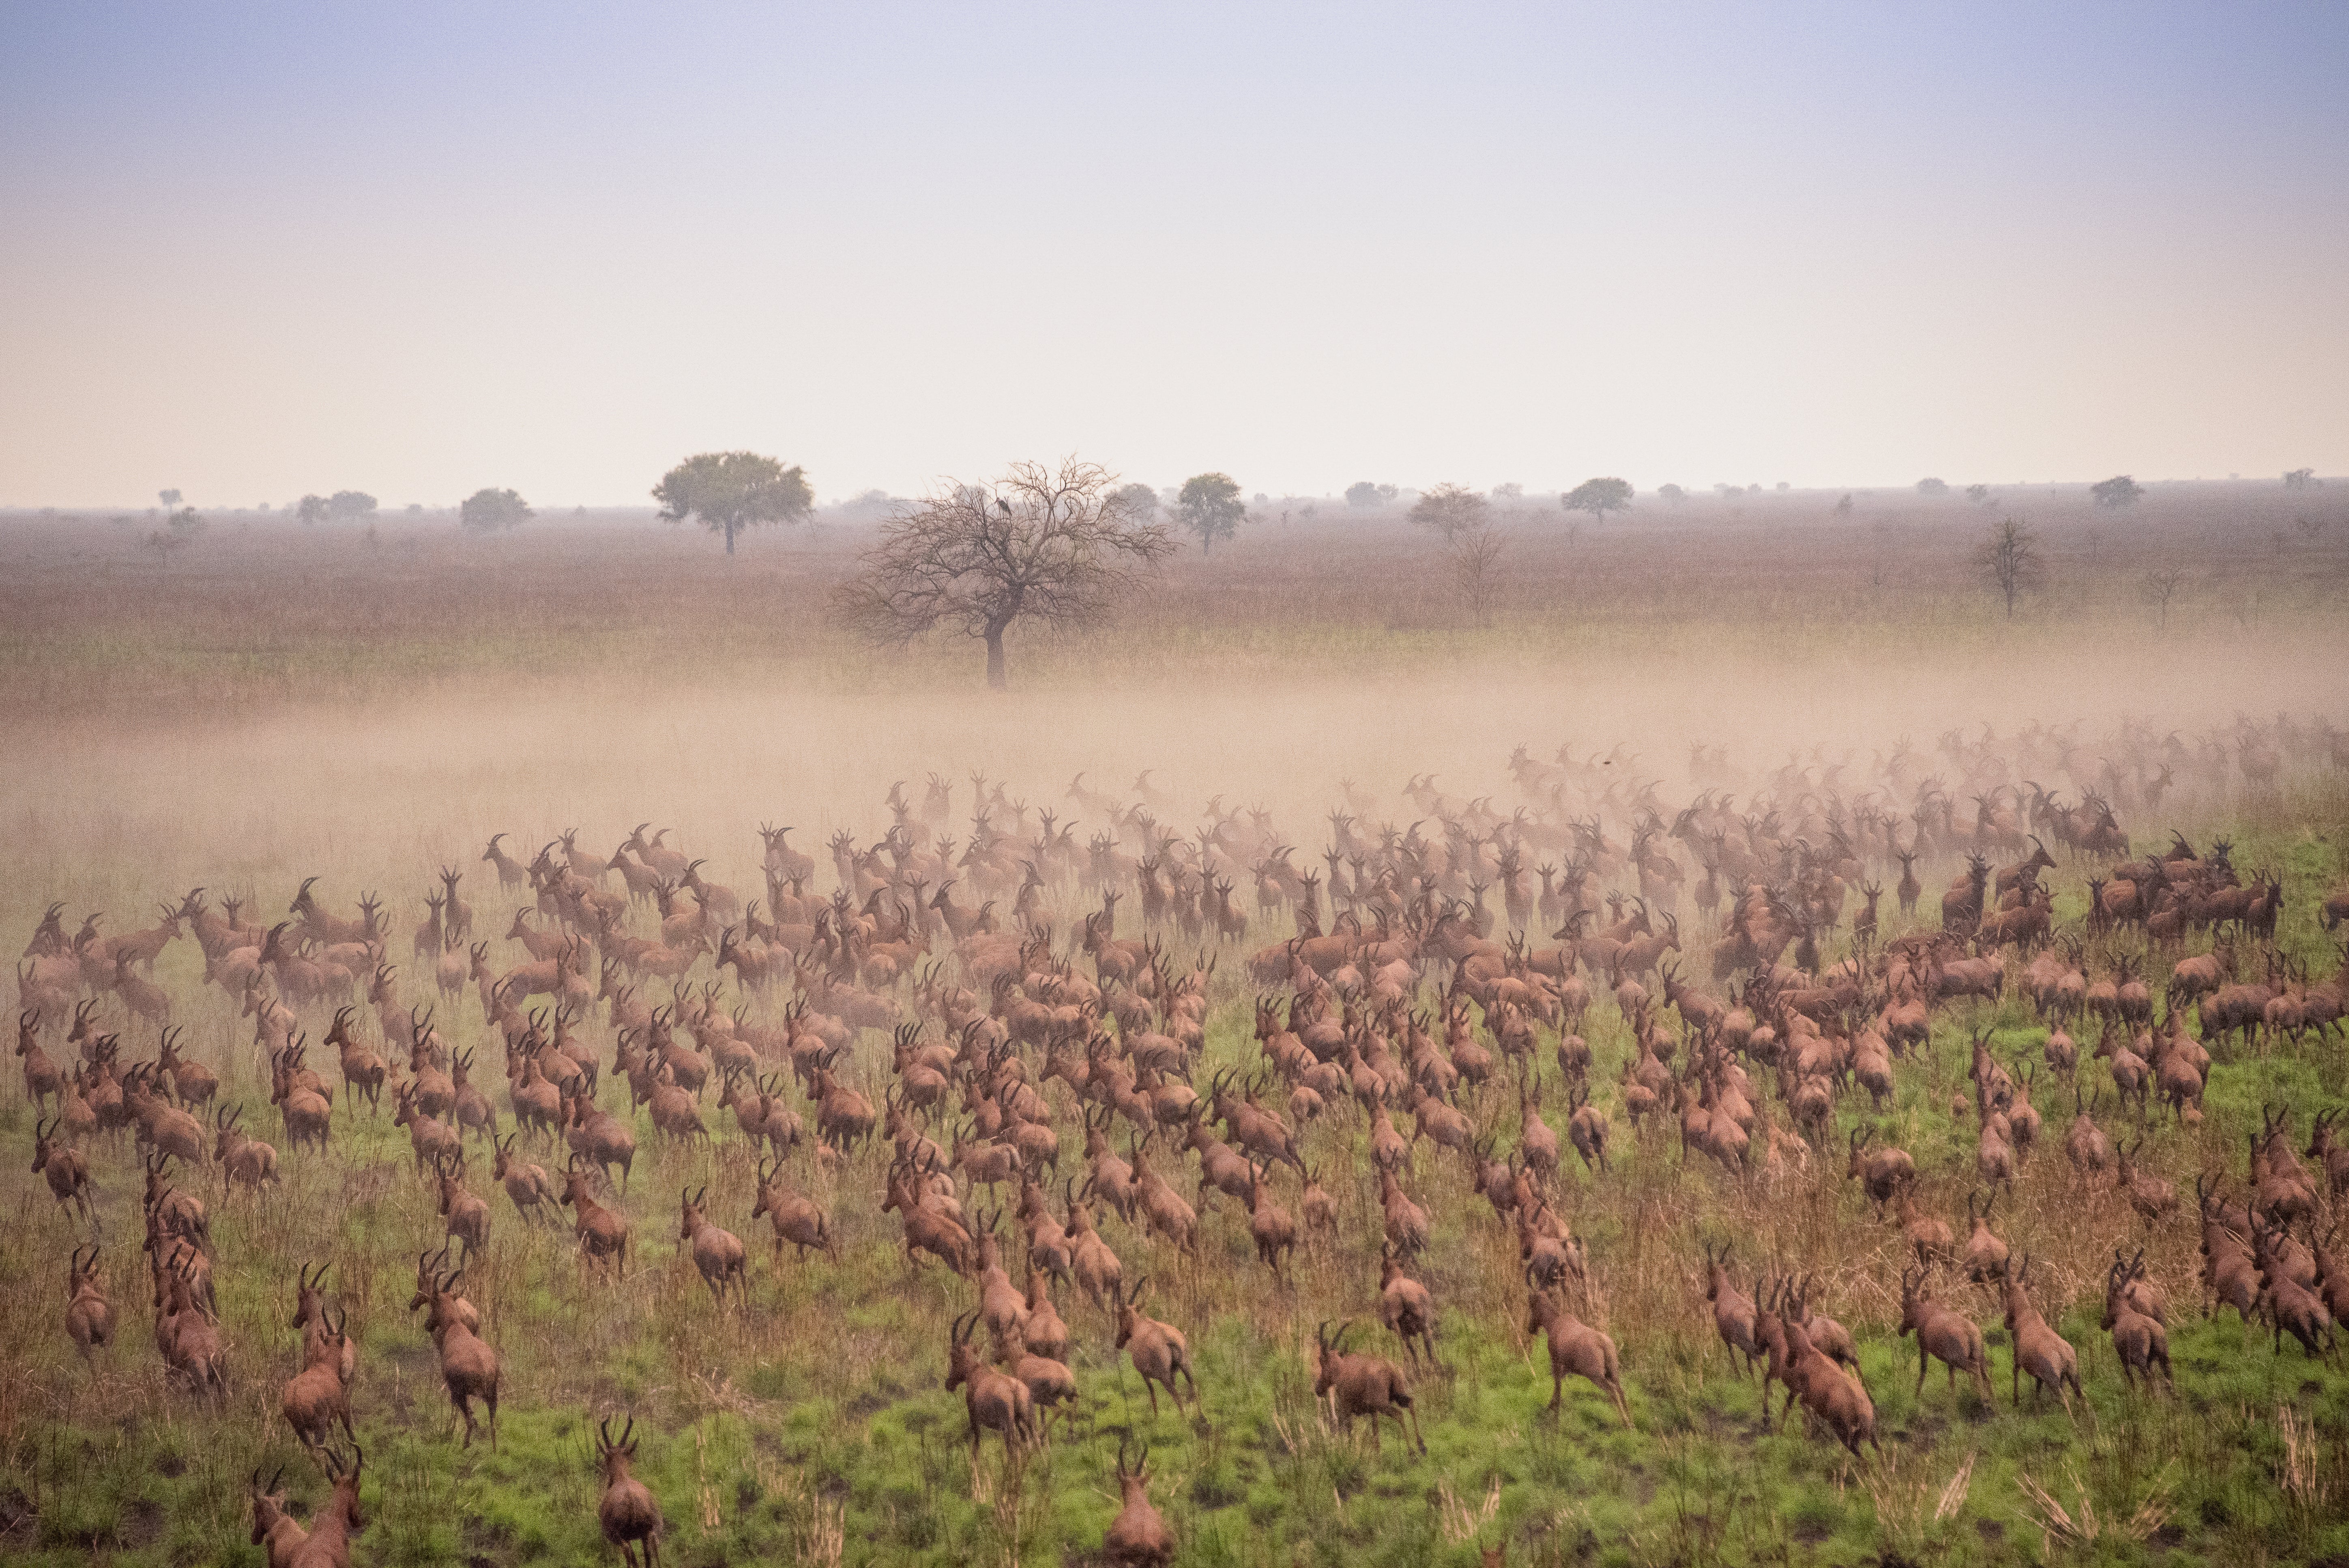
[(251, 251)]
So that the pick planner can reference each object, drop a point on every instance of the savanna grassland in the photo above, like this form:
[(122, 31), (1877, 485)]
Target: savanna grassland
[(267, 703)]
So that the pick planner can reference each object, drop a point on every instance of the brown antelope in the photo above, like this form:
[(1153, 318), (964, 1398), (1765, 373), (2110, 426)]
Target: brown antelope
[(603, 1232), (1361, 1385), (241, 1157), (429, 1140), (1158, 1350), (994, 1400), (717, 1254), (89, 1315), (328, 1542), (1825, 1392), (192, 1083), (1574, 1346), (628, 1513), (429, 1282), (466, 1214), (532, 1189), (1407, 1308), (468, 1367), (1985, 1254), (62, 1168), (2039, 1350), (1269, 1225), (1941, 1333), (43, 1081), (2140, 1342), (1734, 1312), (1882, 1174), (319, 1396), (796, 1217), (1138, 1537)]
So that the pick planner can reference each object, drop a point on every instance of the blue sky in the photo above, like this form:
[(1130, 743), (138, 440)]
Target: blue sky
[(255, 250)]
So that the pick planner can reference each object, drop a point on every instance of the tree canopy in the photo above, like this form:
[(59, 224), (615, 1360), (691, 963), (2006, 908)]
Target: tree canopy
[(486, 510), (731, 491), (1932, 487), (1449, 510), (1368, 496), (1059, 547), (1209, 506), (1598, 497), (2118, 491), (350, 506)]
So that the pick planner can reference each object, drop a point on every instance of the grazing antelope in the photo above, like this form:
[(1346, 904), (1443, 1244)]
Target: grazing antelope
[(1359, 1385), (628, 1513)]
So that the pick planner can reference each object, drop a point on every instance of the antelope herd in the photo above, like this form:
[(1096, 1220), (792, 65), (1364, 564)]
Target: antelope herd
[(1028, 1056)]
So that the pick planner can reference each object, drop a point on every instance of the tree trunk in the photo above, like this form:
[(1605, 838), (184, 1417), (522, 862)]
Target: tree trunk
[(730, 538), (995, 676)]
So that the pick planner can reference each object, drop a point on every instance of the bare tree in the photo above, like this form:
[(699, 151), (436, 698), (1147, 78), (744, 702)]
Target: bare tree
[(2159, 587), (1060, 547), (2009, 560), (1475, 552)]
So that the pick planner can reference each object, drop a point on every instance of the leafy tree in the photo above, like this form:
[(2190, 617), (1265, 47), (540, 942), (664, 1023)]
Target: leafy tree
[(485, 510), (1672, 493), (1209, 506), (1978, 493), (1598, 497), (2300, 479), (350, 506), (1932, 487), (1141, 502), (1060, 547), (1366, 495), (731, 491), (2118, 491), (170, 498), (2009, 560), (311, 509), (1449, 510), (1843, 507), (1509, 492)]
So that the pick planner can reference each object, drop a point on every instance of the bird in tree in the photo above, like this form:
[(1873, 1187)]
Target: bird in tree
[(1209, 506), (1060, 547), (1598, 497), (731, 491)]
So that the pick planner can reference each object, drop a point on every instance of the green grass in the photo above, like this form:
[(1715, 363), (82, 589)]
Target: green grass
[(823, 1413)]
